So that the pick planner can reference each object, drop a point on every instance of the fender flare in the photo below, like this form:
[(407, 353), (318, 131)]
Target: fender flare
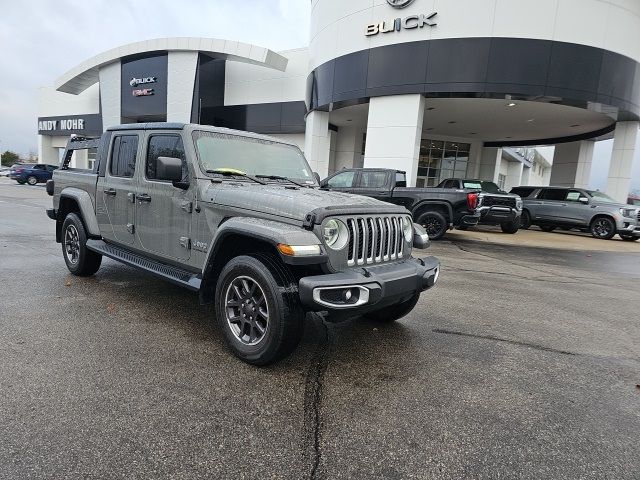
[(87, 209), (439, 203)]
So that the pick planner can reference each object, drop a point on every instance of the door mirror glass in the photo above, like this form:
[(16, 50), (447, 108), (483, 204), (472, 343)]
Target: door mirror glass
[(169, 169)]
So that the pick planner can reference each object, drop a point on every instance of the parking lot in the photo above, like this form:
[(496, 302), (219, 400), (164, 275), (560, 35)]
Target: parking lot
[(524, 362)]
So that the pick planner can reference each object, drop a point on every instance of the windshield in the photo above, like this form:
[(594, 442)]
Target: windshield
[(601, 197), (252, 156)]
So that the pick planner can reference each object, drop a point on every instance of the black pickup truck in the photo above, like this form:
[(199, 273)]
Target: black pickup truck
[(436, 209)]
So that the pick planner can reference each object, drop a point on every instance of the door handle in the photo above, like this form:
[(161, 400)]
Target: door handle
[(110, 191), (143, 197)]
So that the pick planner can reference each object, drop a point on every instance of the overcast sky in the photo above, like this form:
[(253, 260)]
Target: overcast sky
[(42, 39)]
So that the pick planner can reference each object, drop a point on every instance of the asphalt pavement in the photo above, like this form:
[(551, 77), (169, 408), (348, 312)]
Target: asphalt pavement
[(521, 363)]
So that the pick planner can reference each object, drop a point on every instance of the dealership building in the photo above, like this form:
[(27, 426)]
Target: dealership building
[(437, 88)]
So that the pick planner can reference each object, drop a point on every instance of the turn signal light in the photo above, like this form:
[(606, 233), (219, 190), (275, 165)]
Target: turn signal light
[(472, 201), (299, 250)]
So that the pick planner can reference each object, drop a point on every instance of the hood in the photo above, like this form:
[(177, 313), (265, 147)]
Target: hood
[(612, 205), (281, 201)]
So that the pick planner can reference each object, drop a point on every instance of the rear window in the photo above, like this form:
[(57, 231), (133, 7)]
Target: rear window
[(373, 179), (558, 194), (472, 185)]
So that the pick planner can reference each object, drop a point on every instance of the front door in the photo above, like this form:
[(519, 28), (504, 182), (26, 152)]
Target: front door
[(118, 188), (163, 212)]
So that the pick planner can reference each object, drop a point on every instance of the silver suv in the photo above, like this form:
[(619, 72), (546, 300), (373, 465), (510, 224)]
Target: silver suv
[(587, 210)]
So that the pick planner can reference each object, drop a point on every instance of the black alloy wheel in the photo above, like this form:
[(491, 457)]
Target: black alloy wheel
[(603, 228), (434, 223)]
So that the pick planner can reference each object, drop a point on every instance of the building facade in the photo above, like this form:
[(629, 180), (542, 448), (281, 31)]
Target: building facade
[(437, 88)]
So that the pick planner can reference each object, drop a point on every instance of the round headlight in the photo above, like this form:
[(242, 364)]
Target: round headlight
[(407, 229), (335, 234)]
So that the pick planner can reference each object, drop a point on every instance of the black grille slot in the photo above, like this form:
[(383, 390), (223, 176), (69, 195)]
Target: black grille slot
[(352, 253), (360, 245), (493, 201)]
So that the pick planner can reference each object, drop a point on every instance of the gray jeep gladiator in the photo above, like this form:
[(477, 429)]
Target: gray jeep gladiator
[(238, 218)]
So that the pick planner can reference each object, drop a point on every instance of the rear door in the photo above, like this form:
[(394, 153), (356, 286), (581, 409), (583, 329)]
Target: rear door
[(554, 205), (163, 212), (118, 188), (374, 183)]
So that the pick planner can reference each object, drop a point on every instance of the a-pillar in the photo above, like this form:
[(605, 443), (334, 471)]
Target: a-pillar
[(317, 142), (490, 162), (625, 146), (394, 132), (572, 164)]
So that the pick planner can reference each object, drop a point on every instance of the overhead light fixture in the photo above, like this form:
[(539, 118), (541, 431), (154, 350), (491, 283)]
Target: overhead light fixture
[(531, 120), (511, 104), (472, 133), (452, 122), (574, 126), (431, 108)]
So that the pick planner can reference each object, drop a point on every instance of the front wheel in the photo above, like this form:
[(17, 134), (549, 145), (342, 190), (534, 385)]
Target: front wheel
[(31, 180), (394, 312), (603, 228), (21, 182), (79, 259), (434, 223), (258, 310), (629, 238), (511, 227)]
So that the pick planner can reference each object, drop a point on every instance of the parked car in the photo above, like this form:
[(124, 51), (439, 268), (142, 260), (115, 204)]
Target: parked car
[(558, 207), (634, 200), (238, 218), (31, 173), (495, 206), (4, 171), (436, 209)]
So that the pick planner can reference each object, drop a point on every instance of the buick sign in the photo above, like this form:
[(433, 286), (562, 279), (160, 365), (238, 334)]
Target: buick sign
[(140, 81), (399, 3)]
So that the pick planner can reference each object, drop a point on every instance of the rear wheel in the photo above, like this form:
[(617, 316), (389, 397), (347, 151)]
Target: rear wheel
[(629, 238), (21, 182), (547, 228), (258, 310), (434, 223), (394, 312), (525, 220), (511, 227), (79, 259), (31, 180), (603, 228)]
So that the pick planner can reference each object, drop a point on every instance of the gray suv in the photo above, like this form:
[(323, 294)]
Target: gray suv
[(587, 210)]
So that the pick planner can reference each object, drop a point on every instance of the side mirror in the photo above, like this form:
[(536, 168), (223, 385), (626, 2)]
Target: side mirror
[(170, 169), (584, 200), (420, 237), (316, 175)]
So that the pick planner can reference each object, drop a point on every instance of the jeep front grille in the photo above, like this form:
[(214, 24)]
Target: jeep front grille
[(374, 240)]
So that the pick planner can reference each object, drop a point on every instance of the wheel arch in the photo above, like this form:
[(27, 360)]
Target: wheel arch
[(78, 201), (434, 205)]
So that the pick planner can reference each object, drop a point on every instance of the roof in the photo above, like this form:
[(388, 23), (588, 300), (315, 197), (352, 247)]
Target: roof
[(148, 126), (81, 77)]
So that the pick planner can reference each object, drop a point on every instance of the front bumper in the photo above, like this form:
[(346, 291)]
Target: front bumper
[(362, 290), (629, 228), (498, 214), (470, 220)]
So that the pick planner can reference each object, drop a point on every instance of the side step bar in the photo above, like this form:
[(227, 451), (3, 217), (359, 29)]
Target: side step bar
[(173, 274)]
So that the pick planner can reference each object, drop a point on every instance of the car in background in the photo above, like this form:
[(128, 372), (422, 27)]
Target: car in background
[(634, 200), (31, 173), (495, 206), (588, 210), (4, 171)]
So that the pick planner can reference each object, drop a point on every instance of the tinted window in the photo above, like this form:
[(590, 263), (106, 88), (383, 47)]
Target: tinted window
[(559, 194), (164, 146), (401, 179), (523, 191), (39, 167), (123, 156), (490, 187), (373, 179), (342, 180)]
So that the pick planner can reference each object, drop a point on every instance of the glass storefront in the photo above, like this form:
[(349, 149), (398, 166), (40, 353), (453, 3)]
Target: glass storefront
[(440, 160)]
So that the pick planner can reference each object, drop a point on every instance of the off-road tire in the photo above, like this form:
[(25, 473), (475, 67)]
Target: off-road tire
[(85, 262), (31, 180), (285, 315), (511, 227), (603, 228), (629, 238), (548, 228), (434, 223), (525, 220), (393, 312)]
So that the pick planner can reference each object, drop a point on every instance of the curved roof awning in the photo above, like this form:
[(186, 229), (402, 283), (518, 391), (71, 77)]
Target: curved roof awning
[(81, 77)]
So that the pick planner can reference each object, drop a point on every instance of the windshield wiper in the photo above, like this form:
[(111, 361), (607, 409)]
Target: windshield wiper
[(230, 172), (286, 179)]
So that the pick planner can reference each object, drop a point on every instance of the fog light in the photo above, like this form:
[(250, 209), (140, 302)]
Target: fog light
[(348, 295)]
